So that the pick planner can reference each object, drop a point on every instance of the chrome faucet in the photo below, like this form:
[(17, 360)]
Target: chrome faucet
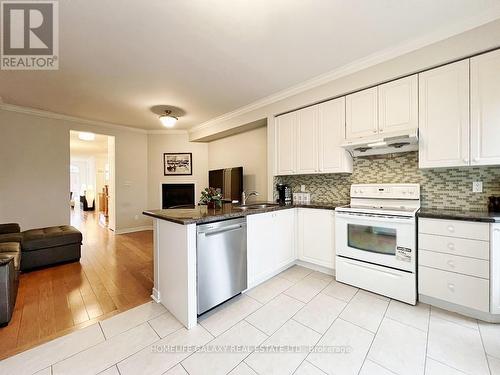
[(245, 196)]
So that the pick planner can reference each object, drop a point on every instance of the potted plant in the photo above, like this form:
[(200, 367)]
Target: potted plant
[(211, 197)]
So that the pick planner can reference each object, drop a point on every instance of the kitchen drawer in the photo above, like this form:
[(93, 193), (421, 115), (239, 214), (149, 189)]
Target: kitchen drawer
[(453, 263), (454, 246), (451, 287), (455, 228)]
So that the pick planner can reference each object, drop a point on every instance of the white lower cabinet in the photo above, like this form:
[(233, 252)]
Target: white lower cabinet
[(270, 244), (495, 268), (316, 236)]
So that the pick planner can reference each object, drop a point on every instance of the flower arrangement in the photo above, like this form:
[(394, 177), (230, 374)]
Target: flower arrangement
[(211, 197)]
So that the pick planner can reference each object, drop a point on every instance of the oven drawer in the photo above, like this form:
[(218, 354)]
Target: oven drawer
[(454, 246), (455, 228), (462, 290), (453, 263)]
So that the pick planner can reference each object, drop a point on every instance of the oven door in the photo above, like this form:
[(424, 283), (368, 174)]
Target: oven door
[(379, 239)]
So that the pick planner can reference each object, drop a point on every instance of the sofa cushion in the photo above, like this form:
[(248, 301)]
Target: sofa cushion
[(12, 249), (11, 237), (9, 228), (42, 238)]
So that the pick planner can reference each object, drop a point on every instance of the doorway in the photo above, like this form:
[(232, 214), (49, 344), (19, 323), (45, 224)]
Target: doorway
[(92, 179)]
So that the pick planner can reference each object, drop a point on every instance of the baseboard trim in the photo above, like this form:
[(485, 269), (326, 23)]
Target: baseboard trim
[(315, 267), (135, 229), (155, 295)]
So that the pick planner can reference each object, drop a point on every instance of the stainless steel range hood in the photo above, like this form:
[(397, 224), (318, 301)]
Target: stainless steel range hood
[(388, 143)]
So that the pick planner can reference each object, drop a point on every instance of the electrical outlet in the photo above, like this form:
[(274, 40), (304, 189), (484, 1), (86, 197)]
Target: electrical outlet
[(302, 188), (477, 187)]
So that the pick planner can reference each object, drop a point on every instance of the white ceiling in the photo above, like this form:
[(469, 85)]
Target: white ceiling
[(79, 148), (120, 58)]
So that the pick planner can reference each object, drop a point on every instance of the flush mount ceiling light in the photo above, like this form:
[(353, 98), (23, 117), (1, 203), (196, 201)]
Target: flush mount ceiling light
[(168, 120), (86, 136)]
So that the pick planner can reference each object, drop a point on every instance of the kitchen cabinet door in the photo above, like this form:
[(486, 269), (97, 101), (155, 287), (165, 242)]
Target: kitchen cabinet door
[(260, 247), (331, 134), (286, 126), (444, 116), (361, 114), (307, 140), (485, 109), (398, 105), (316, 236), (284, 233)]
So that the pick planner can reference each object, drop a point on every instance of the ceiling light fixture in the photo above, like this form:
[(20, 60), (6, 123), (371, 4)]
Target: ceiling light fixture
[(86, 136), (168, 120)]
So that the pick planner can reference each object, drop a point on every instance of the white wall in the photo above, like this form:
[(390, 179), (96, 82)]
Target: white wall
[(160, 143), (247, 150), (34, 170)]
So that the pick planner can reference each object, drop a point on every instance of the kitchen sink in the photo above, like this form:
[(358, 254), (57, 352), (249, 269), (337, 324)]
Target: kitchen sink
[(256, 206)]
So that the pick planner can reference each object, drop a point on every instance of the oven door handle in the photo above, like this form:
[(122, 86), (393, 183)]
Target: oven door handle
[(375, 218)]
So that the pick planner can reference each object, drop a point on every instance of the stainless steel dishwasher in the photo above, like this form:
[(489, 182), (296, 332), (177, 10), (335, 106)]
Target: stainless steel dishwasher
[(221, 251)]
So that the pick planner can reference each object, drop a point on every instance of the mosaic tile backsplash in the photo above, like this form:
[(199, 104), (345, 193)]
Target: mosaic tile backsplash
[(446, 188)]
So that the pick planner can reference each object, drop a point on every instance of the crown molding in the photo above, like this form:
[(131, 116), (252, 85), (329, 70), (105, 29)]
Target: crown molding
[(59, 116), (169, 131), (358, 65)]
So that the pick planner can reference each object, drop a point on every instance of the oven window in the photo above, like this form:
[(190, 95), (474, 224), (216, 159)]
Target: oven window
[(371, 238)]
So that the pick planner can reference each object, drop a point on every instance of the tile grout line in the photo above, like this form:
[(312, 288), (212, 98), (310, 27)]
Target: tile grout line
[(447, 365), (484, 349), (427, 339)]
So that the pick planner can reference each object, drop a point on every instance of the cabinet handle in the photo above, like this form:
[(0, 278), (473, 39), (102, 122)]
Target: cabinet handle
[(466, 160), (451, 246), (451, 228), (451, 287), (496, 229), (451, 264)]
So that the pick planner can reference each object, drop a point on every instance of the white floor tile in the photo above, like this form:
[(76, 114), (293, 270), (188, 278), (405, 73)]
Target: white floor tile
[(291, 334), (306, 368), (242, 369), (372, 368), (320, 313), (106, 354), (341, 291), (269, 289), (306, 289), (227, 315), (176, 370), (43, 356), (399, 348), (365, 311), (433, 367), (45, 371), (321, 276), (376, 295), (454, 317), (491, 338), (131, 318), (414, 316), (274, 314), (456, 346), (494, 365), (166, 353), (355, 342), (165, 324), (110, 371), (209, 362), (295, 273)]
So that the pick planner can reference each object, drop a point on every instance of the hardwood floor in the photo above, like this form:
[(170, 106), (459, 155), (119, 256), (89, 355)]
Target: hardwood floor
[(114, 274)]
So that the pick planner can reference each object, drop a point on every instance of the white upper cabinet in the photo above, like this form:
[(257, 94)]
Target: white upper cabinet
[(444, 116), (485, 109), (398, 105), (331, 134), (362, 114), (285, 143), (307, 140)]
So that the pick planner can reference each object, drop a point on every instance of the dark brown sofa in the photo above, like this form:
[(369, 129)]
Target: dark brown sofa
[(10, 263)]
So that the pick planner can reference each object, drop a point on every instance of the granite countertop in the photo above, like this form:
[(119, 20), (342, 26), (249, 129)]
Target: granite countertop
[(202, 215), (478, 216)]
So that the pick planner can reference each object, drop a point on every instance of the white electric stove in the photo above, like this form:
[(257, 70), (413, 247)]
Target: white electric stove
[(376, 240)]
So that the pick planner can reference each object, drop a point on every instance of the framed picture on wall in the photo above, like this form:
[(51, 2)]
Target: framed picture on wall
[(178, 164)]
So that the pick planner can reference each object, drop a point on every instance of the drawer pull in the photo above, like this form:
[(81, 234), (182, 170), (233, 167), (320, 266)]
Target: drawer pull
[(451, 228), (451, 287), (451, 246), (451, 264)]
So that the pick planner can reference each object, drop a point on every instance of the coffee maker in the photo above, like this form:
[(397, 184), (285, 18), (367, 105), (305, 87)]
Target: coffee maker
[(284, 194)]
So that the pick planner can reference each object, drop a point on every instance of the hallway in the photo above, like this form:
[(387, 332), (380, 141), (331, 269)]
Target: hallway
[(114, 275)]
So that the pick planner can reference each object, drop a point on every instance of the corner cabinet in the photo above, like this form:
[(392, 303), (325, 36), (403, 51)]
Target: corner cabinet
[(444, 116), (308, 141), (485, 109)]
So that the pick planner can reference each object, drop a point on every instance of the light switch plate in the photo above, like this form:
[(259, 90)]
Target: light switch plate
[(477, 187)]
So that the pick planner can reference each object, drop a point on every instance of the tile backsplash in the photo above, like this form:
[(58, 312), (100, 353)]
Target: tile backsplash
[(440, 188)]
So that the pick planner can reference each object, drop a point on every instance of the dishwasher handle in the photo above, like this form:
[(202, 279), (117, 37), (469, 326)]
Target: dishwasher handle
[(222, 230)]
